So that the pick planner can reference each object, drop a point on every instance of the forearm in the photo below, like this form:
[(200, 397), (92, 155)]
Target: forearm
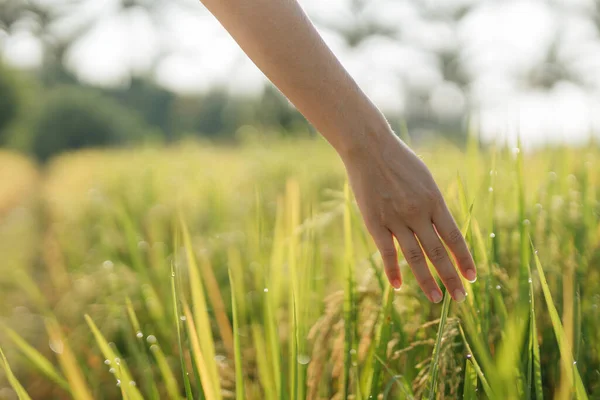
[(280, 39)]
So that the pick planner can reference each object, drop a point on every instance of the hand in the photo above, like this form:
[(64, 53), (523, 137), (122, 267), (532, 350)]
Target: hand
[(398, 197)]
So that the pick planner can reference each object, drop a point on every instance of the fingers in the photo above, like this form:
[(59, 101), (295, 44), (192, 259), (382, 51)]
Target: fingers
[(449, 232), (385, 243), (439, 258), (415, 258)]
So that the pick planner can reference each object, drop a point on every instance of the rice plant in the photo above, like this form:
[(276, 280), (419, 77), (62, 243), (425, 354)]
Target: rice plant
[(219, 273)]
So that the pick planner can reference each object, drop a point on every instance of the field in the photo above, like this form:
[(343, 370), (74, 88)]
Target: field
[(212, 272)]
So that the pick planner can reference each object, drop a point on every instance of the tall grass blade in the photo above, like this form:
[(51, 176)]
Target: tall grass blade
[(534, 346), (350, 314), (12, 379), (40, 362), (177, 321), (216, 300), (399, 380), (202, 325), (435, 358), (239, 369), (165, 371), (566, 356), (470, 382), (68, 363), (121, 371), (265, 373), (381, 343), (141, 354), (473, 359), (293, 221), (211, 391)]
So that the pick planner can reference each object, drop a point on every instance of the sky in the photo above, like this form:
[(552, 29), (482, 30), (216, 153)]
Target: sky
[(499, 42)]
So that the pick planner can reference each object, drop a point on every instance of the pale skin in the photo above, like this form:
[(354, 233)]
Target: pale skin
[(395, 191)]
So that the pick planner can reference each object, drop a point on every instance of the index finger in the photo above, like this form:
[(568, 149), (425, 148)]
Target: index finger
[(452, 236)]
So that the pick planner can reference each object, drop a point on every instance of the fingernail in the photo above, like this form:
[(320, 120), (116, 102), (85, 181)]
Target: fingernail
[(459, 296), (436, 296), (471, 275), (397, 284)]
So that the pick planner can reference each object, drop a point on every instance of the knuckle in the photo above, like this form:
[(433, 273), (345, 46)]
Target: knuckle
[(411, 208), (437, 253), (465, 260), (372, 222), (427, 282), (451, 281), (388, 252), (414, 256), (455, 236), (434, 198)]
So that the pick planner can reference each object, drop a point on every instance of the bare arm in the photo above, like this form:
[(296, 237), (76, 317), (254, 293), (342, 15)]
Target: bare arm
[(395, 191)]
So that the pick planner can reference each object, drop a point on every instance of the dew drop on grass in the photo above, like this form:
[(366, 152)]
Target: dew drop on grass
[(498, 287), (266, 290), (352, 351), (132, 383), (526, 222), (151, 339), (574, 362), (303, 359), (469, 356), (139, 335), (183, 318), (529, 280), (220, 358), (490, 189), (492, 235), (56, 346), (107, 362), (108, 264), (117, 361), (118, 383), (173, 274), (112, 370)]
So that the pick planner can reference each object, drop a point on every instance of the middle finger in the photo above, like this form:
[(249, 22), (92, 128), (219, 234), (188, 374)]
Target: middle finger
[(436, 252)]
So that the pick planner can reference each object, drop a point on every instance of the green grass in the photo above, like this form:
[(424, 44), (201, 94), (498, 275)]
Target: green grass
[(219, 273)]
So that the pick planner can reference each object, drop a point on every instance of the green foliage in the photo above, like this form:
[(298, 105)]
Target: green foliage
[(154, 104), (218, 115), (9, 101), (73, 118)]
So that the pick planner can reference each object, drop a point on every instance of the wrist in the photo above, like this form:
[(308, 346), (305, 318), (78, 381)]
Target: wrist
[(368, 137)]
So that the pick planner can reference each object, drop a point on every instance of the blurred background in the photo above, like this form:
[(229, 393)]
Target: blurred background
[(78, 73)]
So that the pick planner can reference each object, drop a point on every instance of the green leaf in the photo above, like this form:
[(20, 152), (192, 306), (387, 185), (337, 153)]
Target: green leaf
[(566, 356)]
